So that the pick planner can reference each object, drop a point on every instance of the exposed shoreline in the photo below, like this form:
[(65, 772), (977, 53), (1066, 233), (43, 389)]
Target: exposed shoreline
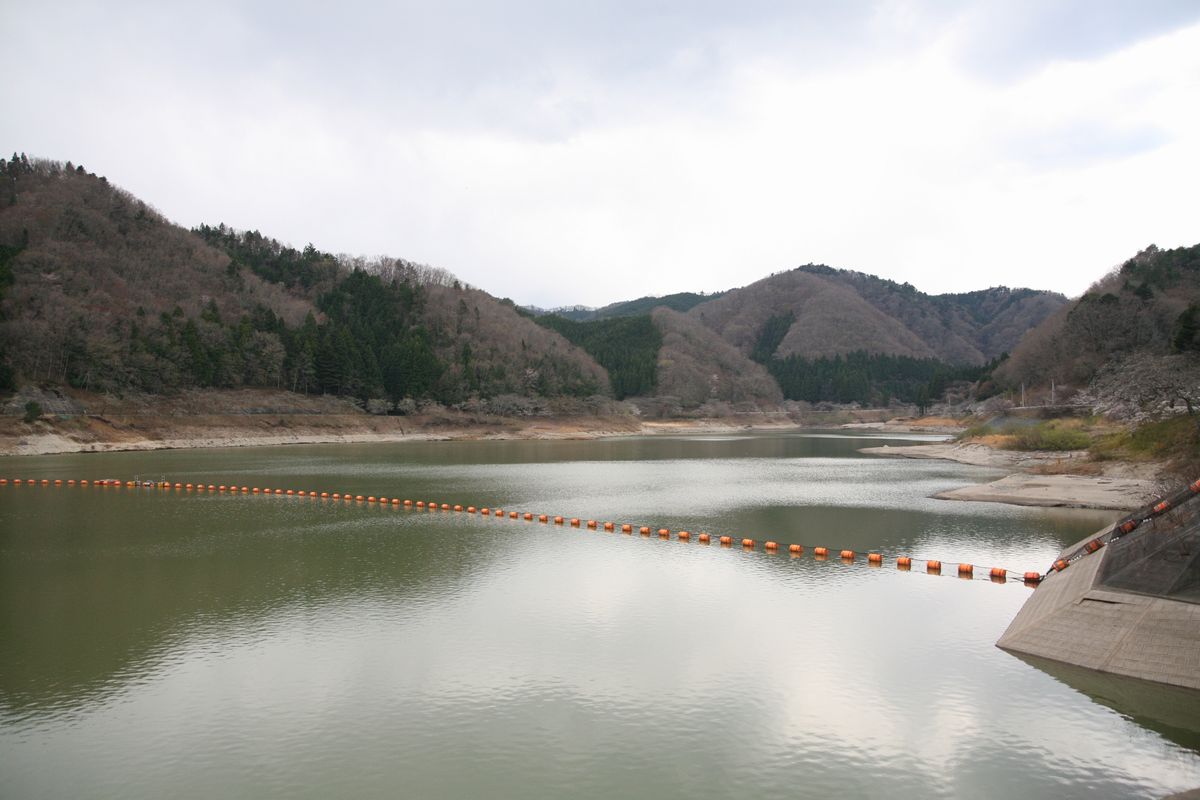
[(1120, 486), (104, 435), (1041, 479)]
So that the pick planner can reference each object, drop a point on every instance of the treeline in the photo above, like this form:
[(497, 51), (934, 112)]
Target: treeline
[(869, 378), (625, 346), (370, 343)]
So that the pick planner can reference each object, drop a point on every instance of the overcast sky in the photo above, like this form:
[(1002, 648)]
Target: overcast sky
[(587, 152)]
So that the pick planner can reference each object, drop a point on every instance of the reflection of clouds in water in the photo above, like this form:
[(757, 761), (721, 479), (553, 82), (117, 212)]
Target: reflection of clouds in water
[(577, 648)]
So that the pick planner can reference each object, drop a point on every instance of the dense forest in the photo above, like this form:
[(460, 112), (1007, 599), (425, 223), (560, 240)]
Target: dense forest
[(625, 346), (1147, 308)]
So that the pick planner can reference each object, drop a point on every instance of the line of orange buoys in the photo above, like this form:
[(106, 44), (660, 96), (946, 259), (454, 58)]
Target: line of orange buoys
[(820, 553)]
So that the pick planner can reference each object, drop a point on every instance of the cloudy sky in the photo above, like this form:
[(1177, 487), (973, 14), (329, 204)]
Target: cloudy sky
[(586, 152)]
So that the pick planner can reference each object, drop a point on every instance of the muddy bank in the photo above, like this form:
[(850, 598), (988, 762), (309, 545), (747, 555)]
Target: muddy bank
[(1042, 479), (100, 434)]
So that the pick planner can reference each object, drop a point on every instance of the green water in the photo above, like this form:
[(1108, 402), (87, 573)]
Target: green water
[(155, 643)]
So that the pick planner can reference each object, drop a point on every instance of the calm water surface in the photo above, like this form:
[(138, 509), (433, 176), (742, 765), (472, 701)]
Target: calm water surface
[(160, 644)]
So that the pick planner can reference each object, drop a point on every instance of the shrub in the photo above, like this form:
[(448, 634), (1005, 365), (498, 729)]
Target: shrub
[(1050, 436), (33, 410)]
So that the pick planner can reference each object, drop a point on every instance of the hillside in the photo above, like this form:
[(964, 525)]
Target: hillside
[(697, 366), (679, 301), (1134, 336), (838, 312), (102, 293)]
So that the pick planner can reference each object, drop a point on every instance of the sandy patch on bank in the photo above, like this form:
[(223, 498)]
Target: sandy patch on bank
[(1121, 486)]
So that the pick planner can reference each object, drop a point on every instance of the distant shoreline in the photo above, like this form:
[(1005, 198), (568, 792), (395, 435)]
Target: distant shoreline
[(1120, 487)]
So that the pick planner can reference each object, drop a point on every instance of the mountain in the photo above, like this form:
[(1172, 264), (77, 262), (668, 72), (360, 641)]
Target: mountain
[(1135, 332), (680, 301), (102, 293), (830, 312)]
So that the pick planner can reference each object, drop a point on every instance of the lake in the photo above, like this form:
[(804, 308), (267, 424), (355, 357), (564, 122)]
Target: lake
[(169, 643)]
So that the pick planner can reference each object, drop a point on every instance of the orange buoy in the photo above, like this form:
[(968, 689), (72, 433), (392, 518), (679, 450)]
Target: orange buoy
[(934, 567), (3, 481), (445, 506), (608, 526), (664, 533), (966, 570), (795, 548), (254, 490), (457, 507), (337, 496), (574, 522), (212, 488), (726, 540), (58, 481), (408, 502), (420, 503), (684, 536), (83, 482), (874, 558), (644, 531), (703, 538), (771, 545), (220, 488), (357, 497), (1033, 577), (528, 516), (71, 482), (998, 572), (513, 515), (847, 555), (370, 498), (591, 523), (821, 552), (1161, 507), (324, 494), (470, 509), (903, 562), (289, 491), (1093, 545), (626, 528), (558, 520), (45, 481), (485, 511), (747, 543), (16, 481)]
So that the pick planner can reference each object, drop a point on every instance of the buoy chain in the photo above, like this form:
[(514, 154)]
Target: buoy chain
[(1127, 525), (770, 547)]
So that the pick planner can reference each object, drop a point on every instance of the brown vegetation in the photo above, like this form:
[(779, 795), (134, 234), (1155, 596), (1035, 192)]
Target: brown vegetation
[(697, 366), (838, 312)]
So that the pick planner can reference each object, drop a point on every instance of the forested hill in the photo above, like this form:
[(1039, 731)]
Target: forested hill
[(815, 311), (1140, 323), (102, 293)]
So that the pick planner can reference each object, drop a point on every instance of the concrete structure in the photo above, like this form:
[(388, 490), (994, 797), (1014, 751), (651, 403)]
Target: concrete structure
[(1132, 608)]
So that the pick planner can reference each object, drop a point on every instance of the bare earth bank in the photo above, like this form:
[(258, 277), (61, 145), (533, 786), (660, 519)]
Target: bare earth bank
[(1119, 486)]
